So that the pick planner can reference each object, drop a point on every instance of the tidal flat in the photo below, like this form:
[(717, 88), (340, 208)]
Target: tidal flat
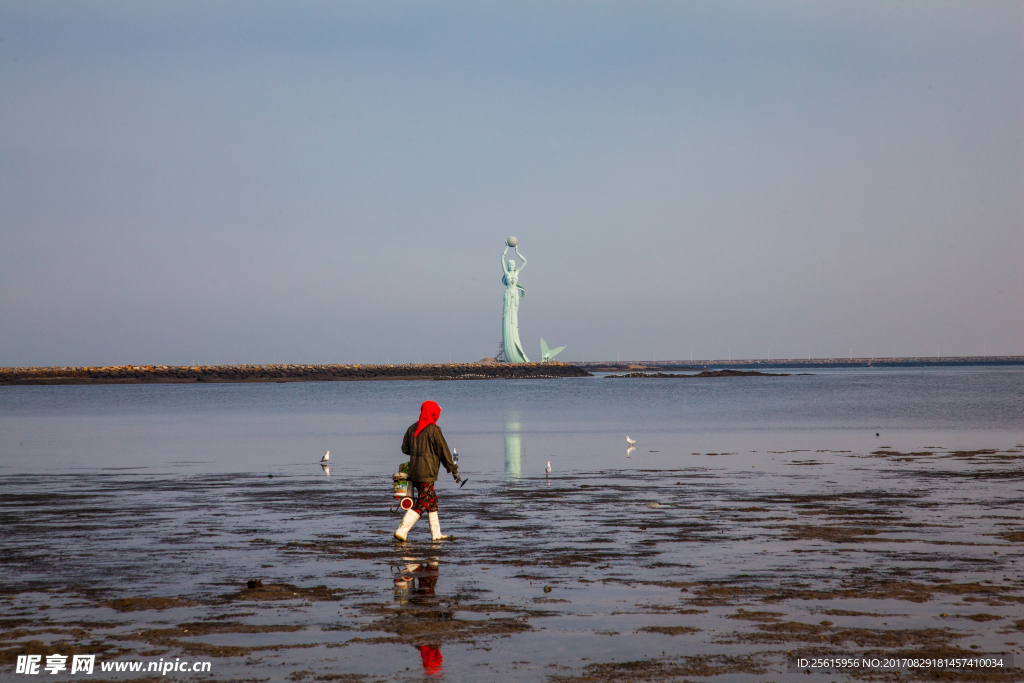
[(712, 572)]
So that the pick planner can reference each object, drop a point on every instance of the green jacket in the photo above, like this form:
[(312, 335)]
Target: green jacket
[(426, 453)]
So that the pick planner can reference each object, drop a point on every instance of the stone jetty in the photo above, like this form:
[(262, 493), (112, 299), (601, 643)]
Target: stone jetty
[(165, 374)]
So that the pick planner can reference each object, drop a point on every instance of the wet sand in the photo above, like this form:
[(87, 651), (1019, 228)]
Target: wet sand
[(721, 571)]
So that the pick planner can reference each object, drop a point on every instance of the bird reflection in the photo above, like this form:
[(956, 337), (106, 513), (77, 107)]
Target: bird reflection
[(629, 451), (326, 469)]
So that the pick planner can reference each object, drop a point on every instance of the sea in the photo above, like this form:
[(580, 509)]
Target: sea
[(754, 520)]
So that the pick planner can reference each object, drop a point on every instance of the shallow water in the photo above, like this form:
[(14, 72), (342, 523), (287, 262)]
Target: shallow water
[(751, 511), (510, 426)]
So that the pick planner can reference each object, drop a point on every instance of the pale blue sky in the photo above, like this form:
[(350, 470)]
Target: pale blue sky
[(333, 182)]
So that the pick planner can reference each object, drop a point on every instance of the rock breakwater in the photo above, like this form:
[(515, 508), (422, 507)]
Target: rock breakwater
[(164, 374)]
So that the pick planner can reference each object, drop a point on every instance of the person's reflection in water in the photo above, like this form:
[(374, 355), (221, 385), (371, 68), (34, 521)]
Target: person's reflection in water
[(415, 585), (433, 664), (426, 576), (416, 581), (426, 580)]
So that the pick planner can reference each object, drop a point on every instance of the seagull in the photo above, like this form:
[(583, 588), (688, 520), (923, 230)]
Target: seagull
[(328, 456), (548, 468), (630, 441)]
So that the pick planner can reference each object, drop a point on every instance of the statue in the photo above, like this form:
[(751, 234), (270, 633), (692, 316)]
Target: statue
[(514, 291), (511, 350)]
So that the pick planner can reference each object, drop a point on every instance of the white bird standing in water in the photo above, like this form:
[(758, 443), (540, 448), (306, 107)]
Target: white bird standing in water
[(630, 441), (327, 457), (548, 468)]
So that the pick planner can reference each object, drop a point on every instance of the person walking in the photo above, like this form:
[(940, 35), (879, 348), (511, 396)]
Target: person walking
[(427, 450)]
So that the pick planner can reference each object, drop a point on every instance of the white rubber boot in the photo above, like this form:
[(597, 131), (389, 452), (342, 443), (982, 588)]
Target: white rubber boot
[(435, 527), (411, 516)]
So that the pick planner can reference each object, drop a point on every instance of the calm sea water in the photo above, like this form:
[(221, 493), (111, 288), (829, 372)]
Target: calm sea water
[(514, 427)]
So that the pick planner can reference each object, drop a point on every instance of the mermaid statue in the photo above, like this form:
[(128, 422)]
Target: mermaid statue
[(511, 346)]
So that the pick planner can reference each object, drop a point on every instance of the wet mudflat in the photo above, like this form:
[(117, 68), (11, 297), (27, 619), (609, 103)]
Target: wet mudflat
[(721, 570)]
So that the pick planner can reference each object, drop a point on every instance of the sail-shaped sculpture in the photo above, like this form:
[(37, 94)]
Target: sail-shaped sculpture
[(547, 354)]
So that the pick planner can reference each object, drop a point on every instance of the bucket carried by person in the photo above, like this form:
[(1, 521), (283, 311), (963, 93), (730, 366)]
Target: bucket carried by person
[(402, 489)]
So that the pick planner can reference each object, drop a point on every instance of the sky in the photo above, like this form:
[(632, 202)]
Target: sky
[(320, 182)]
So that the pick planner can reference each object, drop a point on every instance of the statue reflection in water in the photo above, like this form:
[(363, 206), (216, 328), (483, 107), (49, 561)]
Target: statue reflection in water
[(514, 448), (415, 585)]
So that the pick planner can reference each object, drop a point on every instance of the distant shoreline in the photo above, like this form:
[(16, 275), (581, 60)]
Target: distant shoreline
[(696, 365), (220, 374)]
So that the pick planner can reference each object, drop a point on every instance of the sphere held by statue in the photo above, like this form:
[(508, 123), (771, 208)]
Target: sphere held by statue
[(512, 241)]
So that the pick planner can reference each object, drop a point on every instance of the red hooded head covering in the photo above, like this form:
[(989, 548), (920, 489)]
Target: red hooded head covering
[(429, 412)]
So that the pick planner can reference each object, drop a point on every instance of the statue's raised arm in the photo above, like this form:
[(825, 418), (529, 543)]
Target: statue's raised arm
[(522, 257), (504, 265)]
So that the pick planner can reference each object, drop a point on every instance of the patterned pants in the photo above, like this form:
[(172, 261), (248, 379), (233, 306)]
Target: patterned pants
[(426, 499)]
